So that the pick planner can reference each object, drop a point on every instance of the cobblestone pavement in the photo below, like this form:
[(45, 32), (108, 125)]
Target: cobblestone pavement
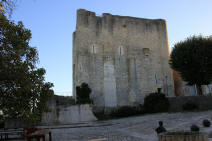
[(139, 128)]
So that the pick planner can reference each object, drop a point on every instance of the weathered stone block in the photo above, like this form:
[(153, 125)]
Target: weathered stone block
[(69, 114)]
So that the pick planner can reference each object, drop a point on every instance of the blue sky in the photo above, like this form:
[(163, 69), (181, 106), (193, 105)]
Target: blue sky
[(52, 23)]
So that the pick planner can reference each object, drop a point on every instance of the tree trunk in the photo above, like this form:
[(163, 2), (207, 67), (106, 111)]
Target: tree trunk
[(199, 89)]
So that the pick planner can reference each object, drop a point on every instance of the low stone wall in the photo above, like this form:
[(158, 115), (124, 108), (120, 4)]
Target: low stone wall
[(69, 114), (203, 102)]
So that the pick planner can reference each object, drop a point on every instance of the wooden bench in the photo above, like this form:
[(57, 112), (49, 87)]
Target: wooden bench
[(39, 134)]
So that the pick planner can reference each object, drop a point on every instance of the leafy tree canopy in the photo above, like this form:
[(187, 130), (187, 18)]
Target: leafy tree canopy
[(7, 6), (83, 94), (192, 59), (23, 90)]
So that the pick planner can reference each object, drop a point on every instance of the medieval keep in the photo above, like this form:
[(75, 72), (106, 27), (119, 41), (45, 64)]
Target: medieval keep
[(121, 58)]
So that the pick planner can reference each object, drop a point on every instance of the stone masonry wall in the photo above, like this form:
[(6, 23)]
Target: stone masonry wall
[(203, 102), (63, 110), (121, 58)]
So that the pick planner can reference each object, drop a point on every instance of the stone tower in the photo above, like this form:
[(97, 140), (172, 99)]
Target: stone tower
[(123, 59)]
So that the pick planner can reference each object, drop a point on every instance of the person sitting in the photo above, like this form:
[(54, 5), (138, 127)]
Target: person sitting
[(160, 129)]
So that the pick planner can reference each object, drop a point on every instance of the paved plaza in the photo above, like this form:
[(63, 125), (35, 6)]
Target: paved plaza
[(138, 128)]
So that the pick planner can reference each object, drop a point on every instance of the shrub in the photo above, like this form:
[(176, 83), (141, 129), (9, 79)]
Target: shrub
[(194, 128), (117, 112), (190, 106), (206, 123), (83, 94), (126, 111), (156, 102), (99, 112)]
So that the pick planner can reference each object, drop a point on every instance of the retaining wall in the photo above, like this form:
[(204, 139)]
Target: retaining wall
[(69, 114)]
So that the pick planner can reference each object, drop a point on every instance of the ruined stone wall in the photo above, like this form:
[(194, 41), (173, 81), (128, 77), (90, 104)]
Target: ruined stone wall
[(121, 58), (68, 114), (63, 110)]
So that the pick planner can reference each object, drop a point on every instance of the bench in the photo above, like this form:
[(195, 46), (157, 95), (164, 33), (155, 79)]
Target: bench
[(28, 134), (39, 134)]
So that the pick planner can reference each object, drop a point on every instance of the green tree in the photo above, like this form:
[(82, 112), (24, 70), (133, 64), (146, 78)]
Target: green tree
[(192, 59), (83, 94), (23, 90), (7, 6)]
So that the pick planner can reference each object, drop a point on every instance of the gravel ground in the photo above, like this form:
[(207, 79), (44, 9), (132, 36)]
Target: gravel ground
[(139, 128)]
